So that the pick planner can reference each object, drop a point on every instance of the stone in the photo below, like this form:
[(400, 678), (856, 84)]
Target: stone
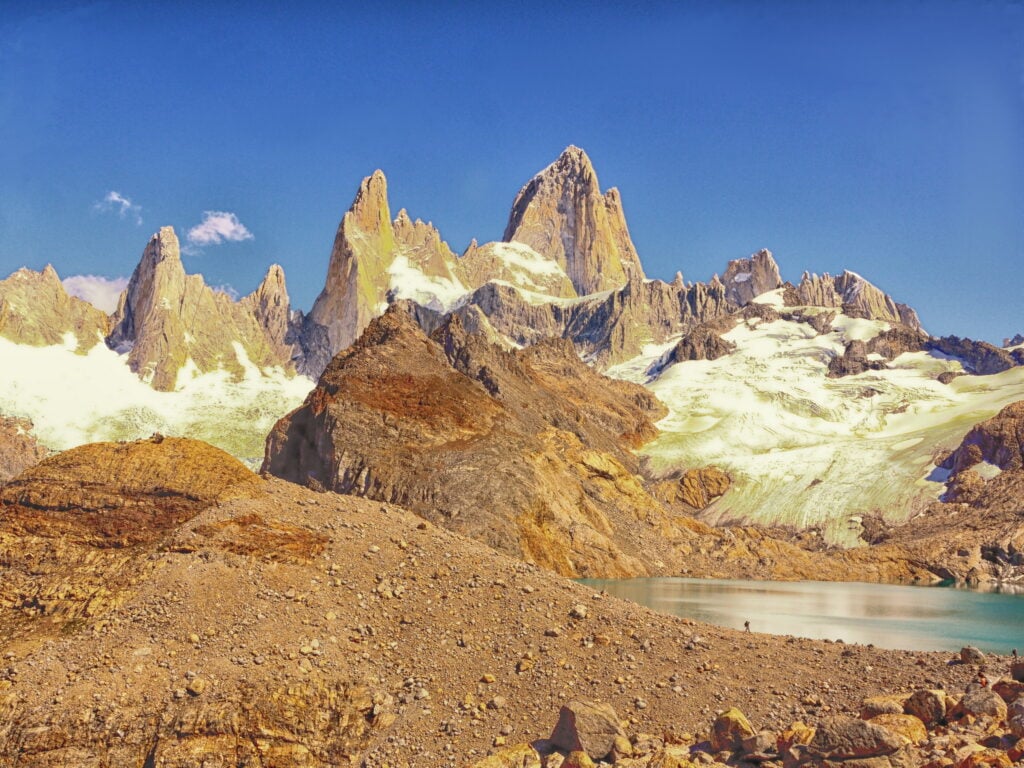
[(586, 726), (578, 759), (907, 726), (978, 703), (1015, 718), (729, 730), (518, 756), (986, 758), (844, 738), (887, 704), (928, 705), (745, 279), (36, 309), (971, 655)]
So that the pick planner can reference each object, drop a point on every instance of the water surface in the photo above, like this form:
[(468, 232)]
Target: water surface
[(918, 618)]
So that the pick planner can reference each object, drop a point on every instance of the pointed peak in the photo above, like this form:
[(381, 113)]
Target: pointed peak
[(50, 273), (164, 246), (372, 190), (403, 217), (275, 274)]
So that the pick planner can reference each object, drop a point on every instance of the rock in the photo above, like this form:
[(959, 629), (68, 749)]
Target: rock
[(971, 655), (759, 747), (855, 296), (196, 686), (1017, 671), (888, 704), (797, 734), (998, 441), (929, 706), (586, 726), (907, 726), (975, 704), (986, 758), (1015, 718), (562, 215), (842, 740), (519, 756), (369, 249), (979, 357), (578, 759), (729, 730), (745, 279), (1009, 690)]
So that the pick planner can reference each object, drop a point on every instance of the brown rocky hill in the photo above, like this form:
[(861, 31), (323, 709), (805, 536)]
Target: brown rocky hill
[(265, 624), (527, 451), (35, 309)]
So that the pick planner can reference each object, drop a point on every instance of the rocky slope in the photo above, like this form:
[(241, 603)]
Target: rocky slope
[(257, 622), (35, 309), (168, 321)]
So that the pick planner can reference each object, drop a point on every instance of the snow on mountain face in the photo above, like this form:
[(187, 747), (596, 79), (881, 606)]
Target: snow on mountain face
[(107, 401), (804, 449)]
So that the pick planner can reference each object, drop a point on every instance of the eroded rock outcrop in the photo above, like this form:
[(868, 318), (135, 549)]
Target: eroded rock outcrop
[(36, 309)]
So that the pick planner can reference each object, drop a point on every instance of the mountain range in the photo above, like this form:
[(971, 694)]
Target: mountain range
[(823, 404)]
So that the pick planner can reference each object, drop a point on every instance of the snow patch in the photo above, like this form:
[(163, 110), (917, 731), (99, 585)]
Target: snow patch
[(109, 402), (742, 277), (408, 281), (771, 298)]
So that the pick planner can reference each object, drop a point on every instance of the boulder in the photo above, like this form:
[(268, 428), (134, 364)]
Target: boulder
[(971, 655), (907, 726), (1015, 718), (929, 706), (986, 758), (887, 704), (587, 726), (978, 703), (729, 730), (849, 741)]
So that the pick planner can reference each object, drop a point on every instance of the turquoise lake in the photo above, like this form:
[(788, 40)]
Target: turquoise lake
[(917, 618)]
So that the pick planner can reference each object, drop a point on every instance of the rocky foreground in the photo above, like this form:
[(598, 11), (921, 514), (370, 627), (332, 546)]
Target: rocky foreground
[(163, 606)]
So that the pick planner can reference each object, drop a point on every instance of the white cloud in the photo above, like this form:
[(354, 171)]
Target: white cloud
[(115, 201), (101, 292), (218, 227), (228, 290)]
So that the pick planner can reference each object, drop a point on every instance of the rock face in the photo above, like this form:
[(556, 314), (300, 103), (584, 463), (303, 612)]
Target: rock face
[(979, 357), (35, 309), (374, 260), (18, 447), (562, 214), (745, 279), (456, 413), (167, 319), (999, 441)]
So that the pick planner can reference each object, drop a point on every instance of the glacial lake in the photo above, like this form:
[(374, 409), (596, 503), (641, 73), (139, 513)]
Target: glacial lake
[(890, 616)]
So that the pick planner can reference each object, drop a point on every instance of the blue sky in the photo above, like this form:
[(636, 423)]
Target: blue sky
[(883, 138)]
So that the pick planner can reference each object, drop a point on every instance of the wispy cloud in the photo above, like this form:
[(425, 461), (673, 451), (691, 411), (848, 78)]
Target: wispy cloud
[(218, 227), (101, 292), (115, 201), (228, 290)]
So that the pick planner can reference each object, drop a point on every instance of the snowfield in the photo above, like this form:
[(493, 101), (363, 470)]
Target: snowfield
[(804, 449), (74, 399)]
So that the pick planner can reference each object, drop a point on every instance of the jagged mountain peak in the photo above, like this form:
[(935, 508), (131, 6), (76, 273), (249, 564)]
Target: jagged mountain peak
[(562, 215), (747, 278)]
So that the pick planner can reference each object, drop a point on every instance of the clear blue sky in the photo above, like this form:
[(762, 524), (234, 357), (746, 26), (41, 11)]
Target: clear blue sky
[(884, 138)]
